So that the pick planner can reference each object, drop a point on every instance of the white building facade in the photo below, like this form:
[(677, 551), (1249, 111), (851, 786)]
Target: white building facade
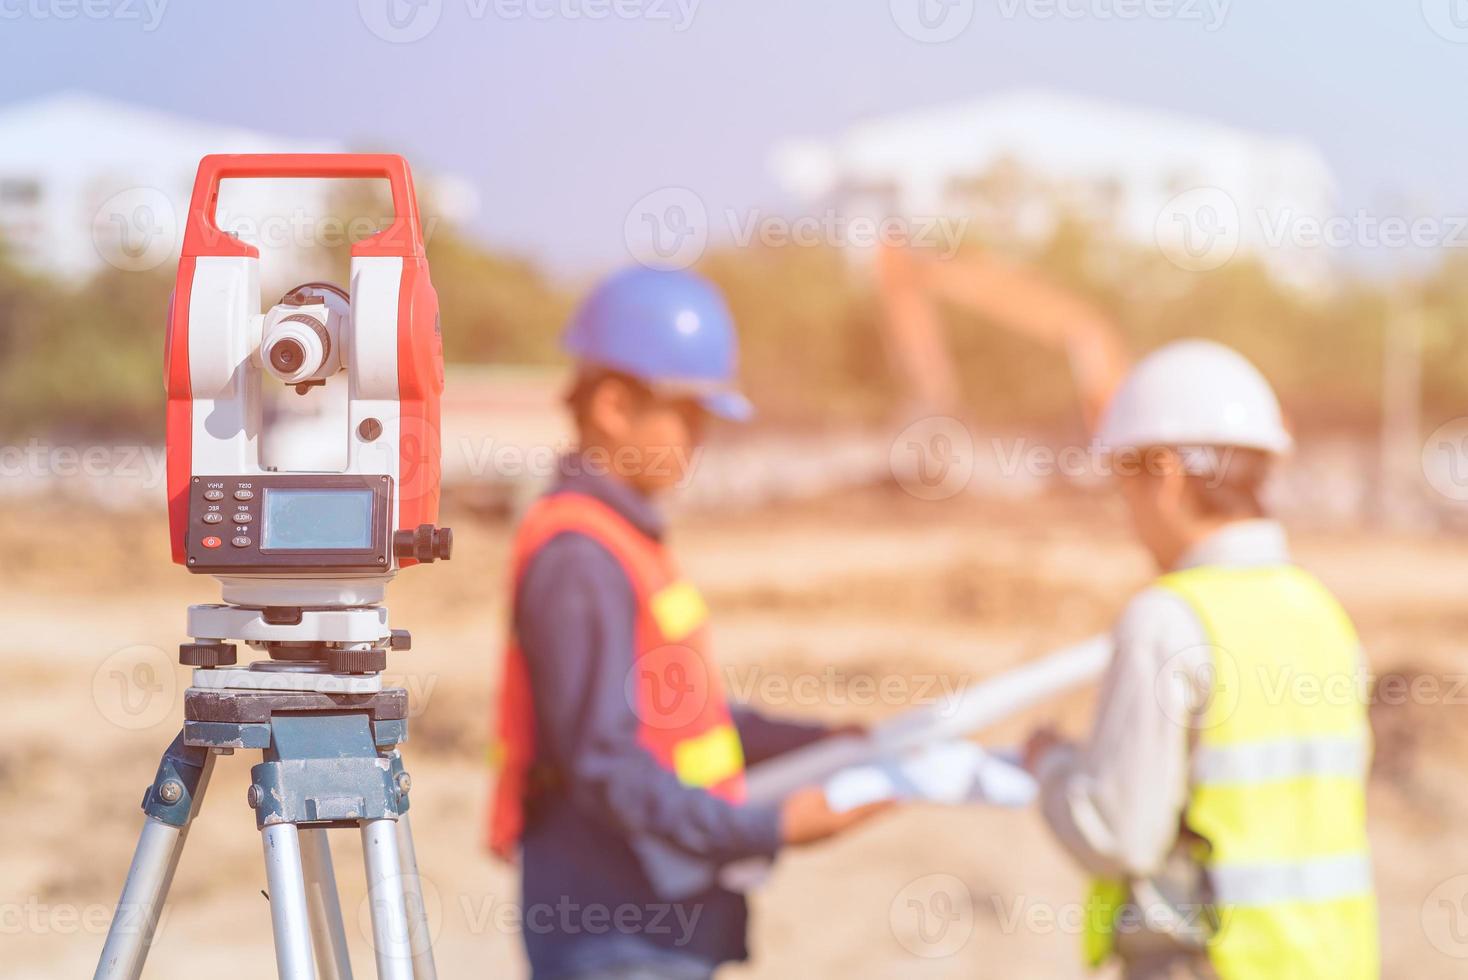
[(87, 182), (1016, 163)]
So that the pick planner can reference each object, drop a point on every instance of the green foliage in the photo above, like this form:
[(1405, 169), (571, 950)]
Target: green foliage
[(495, 309), (811, 344), (86, 359)]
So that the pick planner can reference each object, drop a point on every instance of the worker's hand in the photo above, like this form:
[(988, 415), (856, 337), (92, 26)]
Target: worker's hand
[(1041, 741), (805, 817)]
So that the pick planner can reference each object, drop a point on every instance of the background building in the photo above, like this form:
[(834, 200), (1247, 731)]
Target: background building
[(1015, 162), (87, 181)]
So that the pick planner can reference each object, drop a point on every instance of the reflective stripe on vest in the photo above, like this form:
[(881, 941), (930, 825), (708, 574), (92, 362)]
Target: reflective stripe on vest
[(674, 688), (1261, 762), (1279, 777), (1316, 880)]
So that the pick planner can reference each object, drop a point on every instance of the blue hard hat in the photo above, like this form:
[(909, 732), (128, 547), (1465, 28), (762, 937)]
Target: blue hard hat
[(670, 329)]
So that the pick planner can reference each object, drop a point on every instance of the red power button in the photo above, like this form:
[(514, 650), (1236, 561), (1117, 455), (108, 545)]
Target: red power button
[(211, 542)]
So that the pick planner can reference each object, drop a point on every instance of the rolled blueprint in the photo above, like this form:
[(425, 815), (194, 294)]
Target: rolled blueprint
[(974, 709)]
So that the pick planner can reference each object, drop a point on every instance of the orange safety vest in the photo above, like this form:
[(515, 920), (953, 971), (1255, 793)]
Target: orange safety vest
[(674, 687)]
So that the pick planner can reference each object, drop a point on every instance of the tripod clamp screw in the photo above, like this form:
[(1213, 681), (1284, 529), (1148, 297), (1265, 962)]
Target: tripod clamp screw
[(405, 783), (171, 791), (254, 796)]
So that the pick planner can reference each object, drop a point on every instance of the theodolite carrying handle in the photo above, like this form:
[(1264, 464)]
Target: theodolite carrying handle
[(402, 238)]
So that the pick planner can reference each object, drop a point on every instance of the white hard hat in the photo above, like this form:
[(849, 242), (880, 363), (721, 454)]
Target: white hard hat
[(1194, 393)]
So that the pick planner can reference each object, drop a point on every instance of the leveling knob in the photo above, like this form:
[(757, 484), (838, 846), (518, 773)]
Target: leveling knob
[(370, 661), (207, 654)]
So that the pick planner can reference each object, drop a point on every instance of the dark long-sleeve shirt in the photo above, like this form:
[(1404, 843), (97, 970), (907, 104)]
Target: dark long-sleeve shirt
[(617, 830)]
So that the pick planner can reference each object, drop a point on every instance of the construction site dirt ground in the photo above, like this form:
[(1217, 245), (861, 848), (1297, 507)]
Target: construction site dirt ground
[(841, 608)]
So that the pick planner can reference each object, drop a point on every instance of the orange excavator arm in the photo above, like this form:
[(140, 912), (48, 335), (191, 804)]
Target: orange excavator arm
[(1012, 296)]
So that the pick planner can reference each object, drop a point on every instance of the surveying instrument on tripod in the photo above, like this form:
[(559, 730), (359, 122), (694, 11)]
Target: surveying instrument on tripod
[(303, 516)]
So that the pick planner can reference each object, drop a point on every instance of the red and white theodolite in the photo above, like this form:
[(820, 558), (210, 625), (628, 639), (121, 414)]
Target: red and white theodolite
[(303, 473)]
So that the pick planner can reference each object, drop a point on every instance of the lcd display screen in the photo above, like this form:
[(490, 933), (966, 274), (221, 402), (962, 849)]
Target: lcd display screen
[(317, 520)]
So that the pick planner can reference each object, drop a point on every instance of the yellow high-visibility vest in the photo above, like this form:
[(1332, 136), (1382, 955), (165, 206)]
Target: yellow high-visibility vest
[(1278, 781)]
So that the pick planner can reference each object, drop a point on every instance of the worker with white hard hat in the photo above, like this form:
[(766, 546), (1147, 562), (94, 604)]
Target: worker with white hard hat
[(1219, 802)]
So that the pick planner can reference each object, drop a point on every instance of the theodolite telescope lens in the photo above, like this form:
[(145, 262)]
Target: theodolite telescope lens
[(287, 355)]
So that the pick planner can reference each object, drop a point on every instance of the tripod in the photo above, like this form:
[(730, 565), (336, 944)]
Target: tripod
[(330, 760)]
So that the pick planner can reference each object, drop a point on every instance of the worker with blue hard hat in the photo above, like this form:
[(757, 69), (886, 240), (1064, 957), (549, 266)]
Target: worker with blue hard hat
[(620, 761)]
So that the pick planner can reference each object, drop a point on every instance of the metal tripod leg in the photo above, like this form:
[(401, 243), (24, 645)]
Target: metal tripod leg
[(385, 899), (171, 803), (419, 937), (328, 935), (286, 884)]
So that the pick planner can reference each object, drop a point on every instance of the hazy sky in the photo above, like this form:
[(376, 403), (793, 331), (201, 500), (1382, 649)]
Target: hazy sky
[(566, 112)]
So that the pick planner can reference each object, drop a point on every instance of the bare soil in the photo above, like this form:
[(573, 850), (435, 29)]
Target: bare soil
[(869, 591)]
